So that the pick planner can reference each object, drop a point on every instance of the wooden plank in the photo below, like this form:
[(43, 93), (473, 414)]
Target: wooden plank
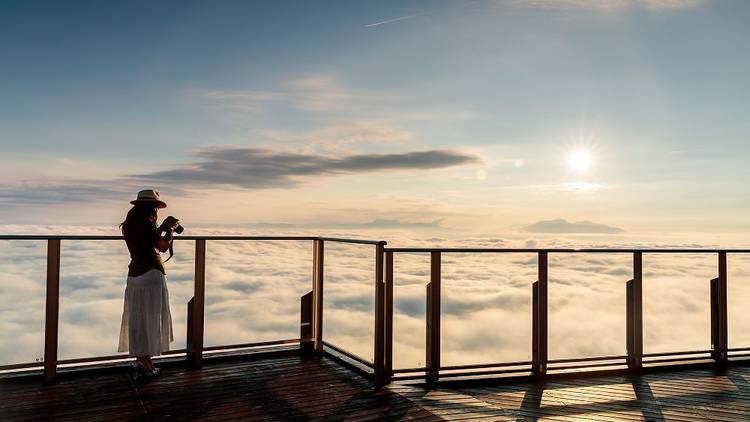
[(52, 309), (432, 348)]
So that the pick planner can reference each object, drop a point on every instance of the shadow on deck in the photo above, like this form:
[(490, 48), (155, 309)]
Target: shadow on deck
[(290, 387)]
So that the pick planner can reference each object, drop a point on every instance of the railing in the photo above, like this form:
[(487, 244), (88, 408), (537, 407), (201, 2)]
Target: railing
[(311, 313), (311, 306), (540, 363)]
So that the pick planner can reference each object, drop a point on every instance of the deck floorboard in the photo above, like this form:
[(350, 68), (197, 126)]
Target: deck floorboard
[(292, 387)]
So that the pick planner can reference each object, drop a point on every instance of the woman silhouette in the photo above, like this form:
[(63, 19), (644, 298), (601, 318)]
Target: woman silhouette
[(146, 328)]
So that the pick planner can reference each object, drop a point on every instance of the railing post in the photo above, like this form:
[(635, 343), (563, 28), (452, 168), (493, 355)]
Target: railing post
[(52, 308), (539, 317), (379, 352), (719, 331), (195, 351), (433, 319), (634, 314), (305, 324), (388, 317), (318, 271)]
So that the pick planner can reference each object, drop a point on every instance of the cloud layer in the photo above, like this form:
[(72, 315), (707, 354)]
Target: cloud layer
[(253, 291)]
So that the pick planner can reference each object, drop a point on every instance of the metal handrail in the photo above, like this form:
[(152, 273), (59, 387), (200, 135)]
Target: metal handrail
[(564, 250), (187, 237)]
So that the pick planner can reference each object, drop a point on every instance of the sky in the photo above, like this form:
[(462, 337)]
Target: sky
[(472, 116)]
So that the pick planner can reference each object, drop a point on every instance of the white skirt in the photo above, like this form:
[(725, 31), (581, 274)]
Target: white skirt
[(146, 327)]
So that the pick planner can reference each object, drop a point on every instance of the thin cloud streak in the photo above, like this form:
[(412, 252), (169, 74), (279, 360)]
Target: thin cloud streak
[(402, 18)]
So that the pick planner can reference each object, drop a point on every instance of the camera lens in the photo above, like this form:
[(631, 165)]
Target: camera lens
[(179, 229)]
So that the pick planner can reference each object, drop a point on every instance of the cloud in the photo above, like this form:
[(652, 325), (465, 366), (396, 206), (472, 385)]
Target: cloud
[(563, 226), (611, 6), (387, 223), (340, 136), (318, 93), (581, 187), (244, 168), (37, 193), (257, 168)]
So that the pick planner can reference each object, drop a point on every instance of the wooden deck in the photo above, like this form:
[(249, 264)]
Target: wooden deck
[(290, 387)]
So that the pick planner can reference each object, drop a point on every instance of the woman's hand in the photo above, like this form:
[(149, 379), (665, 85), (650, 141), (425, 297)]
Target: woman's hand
[(162, 245)]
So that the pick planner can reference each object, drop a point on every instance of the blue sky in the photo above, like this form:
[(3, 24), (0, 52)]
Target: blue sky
[(462, 112)]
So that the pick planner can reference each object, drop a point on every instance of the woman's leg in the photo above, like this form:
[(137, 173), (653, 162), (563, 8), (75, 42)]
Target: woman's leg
[(146, 362)]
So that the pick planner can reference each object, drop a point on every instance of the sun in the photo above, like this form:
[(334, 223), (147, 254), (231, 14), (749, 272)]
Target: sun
[(580, 160)]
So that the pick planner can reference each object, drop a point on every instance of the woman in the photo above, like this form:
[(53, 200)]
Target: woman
[(146, 328)]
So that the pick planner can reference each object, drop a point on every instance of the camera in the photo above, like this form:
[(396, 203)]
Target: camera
[(171, 221), (167, 227)]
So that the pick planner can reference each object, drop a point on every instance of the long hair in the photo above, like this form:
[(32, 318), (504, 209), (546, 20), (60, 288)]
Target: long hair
[(139, 213)]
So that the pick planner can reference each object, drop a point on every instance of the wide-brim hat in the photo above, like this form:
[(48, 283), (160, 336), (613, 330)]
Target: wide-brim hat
[(149, 196)]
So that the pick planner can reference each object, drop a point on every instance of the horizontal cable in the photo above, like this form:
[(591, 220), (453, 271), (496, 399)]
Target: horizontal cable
[(590, 365), (408, 370), (407, 377), (591, 359), (675, 360), (693, 352), (489, 372), (484, 365), (22, 366), (250, 345)]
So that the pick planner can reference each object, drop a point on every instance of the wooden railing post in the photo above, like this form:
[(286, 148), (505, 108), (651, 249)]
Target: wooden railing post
[(539, 318), (197, 305), (305, 324), (388, 317), (318, 271), (52, 309), (433, 319), (379, 352), (719, 329), (634, 314)]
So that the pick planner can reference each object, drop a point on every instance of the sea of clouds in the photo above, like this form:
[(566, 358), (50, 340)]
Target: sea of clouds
[(253, 291)]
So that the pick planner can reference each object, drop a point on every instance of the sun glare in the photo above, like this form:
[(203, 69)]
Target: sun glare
[(580, 160)]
